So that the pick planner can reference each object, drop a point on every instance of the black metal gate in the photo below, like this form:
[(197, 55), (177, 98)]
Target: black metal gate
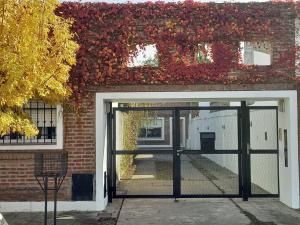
[(262, 154), (182, 152)]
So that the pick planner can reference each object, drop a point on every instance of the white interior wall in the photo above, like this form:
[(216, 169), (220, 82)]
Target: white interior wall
[(264, 171), (283, 172), (224, 124), (261, 58), (287, 120)]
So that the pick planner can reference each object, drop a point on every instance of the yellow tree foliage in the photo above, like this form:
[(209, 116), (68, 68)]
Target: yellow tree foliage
[(36, 53)]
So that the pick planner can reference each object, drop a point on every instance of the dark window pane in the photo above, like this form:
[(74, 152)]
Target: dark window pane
[(142, 133), (15, 135), (39, 136), (51, 132), (154, 132)]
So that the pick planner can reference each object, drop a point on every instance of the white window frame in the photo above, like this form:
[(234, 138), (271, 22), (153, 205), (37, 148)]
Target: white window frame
[(162, 132), (41, 146)]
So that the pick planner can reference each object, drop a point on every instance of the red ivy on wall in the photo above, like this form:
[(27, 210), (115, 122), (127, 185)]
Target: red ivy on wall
[(109, 33)]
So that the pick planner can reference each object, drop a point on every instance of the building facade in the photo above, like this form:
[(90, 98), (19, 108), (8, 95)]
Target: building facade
[(84, 136)]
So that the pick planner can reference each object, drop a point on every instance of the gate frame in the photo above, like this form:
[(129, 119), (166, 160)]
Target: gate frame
[(261, 151), (243, 152)]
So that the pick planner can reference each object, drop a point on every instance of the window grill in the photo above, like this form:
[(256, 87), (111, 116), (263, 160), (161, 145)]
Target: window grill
[(44, 117)]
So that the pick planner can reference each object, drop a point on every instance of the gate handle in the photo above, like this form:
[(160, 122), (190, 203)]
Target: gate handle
[(248, 148), (178, 151)]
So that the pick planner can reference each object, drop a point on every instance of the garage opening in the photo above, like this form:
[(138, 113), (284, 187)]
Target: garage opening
[(196, 149)]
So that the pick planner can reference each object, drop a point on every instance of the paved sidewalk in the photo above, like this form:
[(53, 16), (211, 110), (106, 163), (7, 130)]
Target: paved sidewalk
[(107, 217), (169, 212)]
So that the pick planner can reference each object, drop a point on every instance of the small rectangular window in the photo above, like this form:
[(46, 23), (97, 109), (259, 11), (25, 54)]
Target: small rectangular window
[(256, 53), (207, 141), (152, 129), (144, 56)]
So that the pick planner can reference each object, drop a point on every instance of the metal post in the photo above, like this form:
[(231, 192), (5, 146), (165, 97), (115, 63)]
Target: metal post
[(245, 136), (46, 199), (55, 198), (176, 153), (109, 152), (240, 152), (114, 156)]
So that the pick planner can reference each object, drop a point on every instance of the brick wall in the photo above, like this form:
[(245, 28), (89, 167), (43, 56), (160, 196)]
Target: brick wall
[(79, 137), (17, 181), (281, 39)]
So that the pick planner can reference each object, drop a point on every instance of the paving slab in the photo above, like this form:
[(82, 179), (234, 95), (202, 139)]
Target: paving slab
[(207, 212), (192, 211), (269, 211)]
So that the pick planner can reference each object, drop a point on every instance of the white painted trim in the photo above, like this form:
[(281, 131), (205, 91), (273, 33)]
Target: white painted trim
[(293, 152), (101, 166), (39, 206), (162, 138), (154, 146), (171, 135), (57, 145), (195, 96), (290, 95)]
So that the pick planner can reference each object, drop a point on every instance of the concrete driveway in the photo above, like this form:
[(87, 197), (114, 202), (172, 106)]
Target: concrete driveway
[(181, 212), (207, 212)]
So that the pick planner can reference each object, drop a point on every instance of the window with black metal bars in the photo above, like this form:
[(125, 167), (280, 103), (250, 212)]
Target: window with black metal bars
[(44, 117)]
